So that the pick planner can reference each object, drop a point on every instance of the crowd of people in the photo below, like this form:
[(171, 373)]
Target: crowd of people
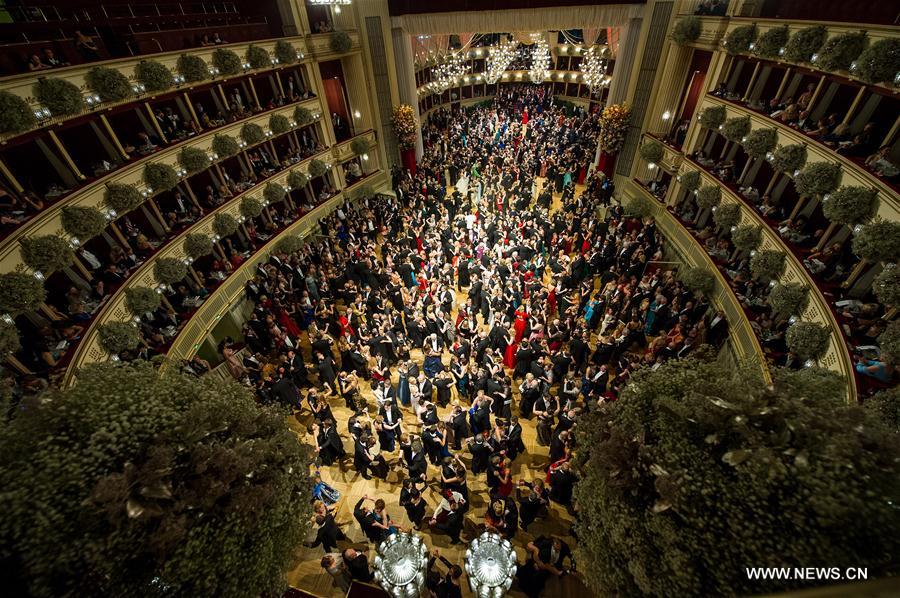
[(486, 299)]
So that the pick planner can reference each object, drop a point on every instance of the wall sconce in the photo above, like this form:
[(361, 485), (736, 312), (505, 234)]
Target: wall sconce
[(666, 115)]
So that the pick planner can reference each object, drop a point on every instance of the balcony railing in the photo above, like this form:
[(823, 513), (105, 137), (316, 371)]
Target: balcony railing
[(743, 340), (89, 350), (853, 173), (49, 221), (22, 85), (224, 298), (319, 44), (837, 357)]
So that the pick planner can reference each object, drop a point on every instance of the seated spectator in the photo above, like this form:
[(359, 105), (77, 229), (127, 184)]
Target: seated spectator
[(51, 60), (205, 41), (881, 164), (86, 47), (218, 40), (35, 63), (875, 368)]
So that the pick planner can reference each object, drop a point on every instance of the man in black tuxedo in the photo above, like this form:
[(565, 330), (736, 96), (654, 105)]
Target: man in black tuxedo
[(545, 558), (329, 445), (358, 565)]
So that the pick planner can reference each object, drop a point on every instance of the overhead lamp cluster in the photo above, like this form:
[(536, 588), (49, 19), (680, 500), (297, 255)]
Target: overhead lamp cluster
[(499, 59), (400, 565), (540, 61), (448, 73), (594, 68)]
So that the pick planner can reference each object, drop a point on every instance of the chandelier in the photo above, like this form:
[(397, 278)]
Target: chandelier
[(593, 68), (491, 565), (448, 73), (540, 61), (400, 565), (330, 2), (499, 60)]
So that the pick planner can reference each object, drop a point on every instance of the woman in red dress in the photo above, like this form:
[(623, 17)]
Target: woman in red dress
[(521, 323), (551, 302), (509, 356)]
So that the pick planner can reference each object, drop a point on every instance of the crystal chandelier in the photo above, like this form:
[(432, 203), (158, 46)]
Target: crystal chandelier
[(448, 73), (593, 68), (540, 61), (330, 2), (400, 565), (499, 60), (490, 565)]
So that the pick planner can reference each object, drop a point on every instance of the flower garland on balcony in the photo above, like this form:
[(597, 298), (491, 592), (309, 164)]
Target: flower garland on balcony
[(405, 126), (613, 127)]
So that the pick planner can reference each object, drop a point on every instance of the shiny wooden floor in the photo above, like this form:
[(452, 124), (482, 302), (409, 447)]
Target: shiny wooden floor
[(310, 577)]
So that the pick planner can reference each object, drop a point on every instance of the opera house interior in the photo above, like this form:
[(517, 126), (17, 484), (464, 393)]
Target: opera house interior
[(395, 298)]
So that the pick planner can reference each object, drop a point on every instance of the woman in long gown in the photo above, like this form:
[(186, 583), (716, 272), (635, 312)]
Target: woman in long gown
[(509, 356), (520, 324), (235, 367), (432, 349), (403, 393)]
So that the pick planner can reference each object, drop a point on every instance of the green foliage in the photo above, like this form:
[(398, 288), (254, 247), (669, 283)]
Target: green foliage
[(850, 205), (734, 129), (739, 39), (690, 180), (840, 51), (226, 61), (154, 75), (258, 57), (697, 280), (83, 222), (141, 300), (252, 133), (788, 158), (889, 343), (9, 344), (20, 292), (316, 168), (360, 146), (59, 96), (251, 207), (303, 115), (160, 177), (651, 151), (727, 215), (686, 30), (152, 486), (887, 285), (767, 263), (760, 142), (886, 406), (109, 84), (225, 145), (695, 466), (197, 245), (193, 159), (817, 179), (770, 42), (709, 196), (809, 340), (638, 206), (192, 68), (746, 237), (15, 114), (289, 244), (878, 241), (790, 298), (168, 270), (339, 42), (712, 117), (273, 193), (880, 62), (279, 123), (804, 43), (122, 198), (297, 179), (116, 337), (47, 253), (285, 52), (225, 224)]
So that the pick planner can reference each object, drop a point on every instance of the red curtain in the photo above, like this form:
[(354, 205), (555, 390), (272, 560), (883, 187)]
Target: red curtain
[(606, 164), (409, 159), (334, 95), (699, 66)]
